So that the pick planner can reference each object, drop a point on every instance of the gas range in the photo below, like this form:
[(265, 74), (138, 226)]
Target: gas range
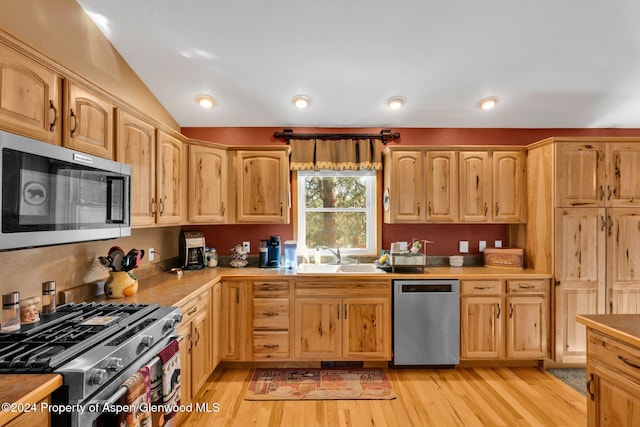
[(95, 347)]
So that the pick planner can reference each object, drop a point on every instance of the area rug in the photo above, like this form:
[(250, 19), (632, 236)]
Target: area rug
[(576, 378), (319, 384)]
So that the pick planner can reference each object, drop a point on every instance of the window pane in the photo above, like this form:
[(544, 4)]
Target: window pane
[(344, 229), (335, 192)]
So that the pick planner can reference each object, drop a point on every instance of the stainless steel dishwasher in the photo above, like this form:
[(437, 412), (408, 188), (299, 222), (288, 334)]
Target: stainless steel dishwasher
[(426, 322)]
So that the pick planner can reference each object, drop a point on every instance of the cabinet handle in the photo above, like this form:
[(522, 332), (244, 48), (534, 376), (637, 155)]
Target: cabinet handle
[(510, 311), (338, 310), (193, 310), (418, 206), (610, 307), (601, 195), (222, 208), (608, 192), (429, 208), (281, 208), (269, 313), (271, 345), (497, 209), (610, 224), (521, 286), (161, 202), (197, 336), (486, 208), (628, 362), (75, 123), (603, 223), (345, 312), (591, 395), (153, 206), (190, 344), (499, 311), (52, 125), (480, 288), (237, 295), (373, 320)]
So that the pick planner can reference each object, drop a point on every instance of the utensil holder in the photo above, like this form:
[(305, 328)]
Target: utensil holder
[(121, 284)]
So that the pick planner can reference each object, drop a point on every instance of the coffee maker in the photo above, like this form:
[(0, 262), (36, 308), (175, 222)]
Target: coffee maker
[(192, 250), (273, 252)]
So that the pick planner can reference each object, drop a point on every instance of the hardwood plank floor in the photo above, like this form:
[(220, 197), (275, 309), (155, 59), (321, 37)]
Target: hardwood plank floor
[(426, 397)]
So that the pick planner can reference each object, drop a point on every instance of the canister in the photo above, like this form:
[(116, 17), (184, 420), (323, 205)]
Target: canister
[(10, 312)]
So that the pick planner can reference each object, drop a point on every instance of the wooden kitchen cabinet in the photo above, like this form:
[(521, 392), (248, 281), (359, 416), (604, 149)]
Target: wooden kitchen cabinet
[(404, 184), (216, 310), (581, 174), (30, 97), (474, 186), (262, 186), (271, 320), (500, 322), (169, 179), (342, 321), (623, 174), (208, 184), (235, 321), (88, 121), (442, 186), (136, 146), (39, 417), (508, 186)]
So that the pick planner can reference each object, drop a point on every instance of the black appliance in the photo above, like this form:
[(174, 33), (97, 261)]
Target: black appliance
[(273, 252), (95, 347), (52, 195), (191, 250)]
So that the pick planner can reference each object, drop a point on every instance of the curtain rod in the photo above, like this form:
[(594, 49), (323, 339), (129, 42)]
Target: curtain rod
[(384, 135)]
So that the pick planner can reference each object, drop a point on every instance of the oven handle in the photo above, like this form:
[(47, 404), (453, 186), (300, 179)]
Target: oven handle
[(107, 403)]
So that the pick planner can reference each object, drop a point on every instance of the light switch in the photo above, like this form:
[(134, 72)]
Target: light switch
[(464, 247), (481, 245), (498, 243)]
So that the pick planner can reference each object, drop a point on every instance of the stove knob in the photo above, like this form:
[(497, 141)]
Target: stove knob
[(177, 317), (98, 377), (114, 364), (169, 324), (147, 340)]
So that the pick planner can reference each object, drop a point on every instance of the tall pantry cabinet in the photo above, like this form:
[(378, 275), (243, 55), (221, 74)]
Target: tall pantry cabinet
[(584, 227)]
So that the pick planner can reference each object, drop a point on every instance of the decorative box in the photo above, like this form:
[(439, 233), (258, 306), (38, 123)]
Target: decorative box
[(504, 257)]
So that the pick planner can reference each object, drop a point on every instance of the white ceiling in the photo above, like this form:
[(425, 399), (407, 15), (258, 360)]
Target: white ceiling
[(552, 63)]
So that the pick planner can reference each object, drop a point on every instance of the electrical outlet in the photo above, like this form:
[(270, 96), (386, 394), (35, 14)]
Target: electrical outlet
[(151, 254), (464, 246), (481, 245), (247, 246), (498, 243)]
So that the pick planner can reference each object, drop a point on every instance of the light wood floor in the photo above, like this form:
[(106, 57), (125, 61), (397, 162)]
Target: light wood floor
[(426, 397)]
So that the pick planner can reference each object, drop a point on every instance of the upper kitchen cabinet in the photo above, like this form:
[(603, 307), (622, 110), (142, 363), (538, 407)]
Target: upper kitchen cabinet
[(508, 190), (581, 174), (474, 186), (136, 146), (442, 186), (404, 186), (88, 121), (208, 184), (169, 179), (30, 97), (623, 174), (262, 185)]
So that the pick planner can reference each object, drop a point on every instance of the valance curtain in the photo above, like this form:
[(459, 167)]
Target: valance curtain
[(338, 154)]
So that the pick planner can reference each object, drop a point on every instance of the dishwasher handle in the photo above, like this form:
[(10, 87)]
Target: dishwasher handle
[(430, 288)]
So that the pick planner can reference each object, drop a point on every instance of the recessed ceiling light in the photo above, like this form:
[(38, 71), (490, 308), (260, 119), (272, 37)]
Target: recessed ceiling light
[(395, 103), (301, 101), (488, 103), (205, 101)]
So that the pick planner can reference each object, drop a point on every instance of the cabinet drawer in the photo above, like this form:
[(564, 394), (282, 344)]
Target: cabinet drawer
[(270, 289), (614, 355), (481, 287), (270, 313), (526, 286), (194, 306), (270, 345)]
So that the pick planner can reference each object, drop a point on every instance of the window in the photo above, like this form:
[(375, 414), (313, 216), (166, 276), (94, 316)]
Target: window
[(337, 209)]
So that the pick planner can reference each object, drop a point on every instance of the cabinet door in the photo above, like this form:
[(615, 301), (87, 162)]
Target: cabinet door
[(615, 399), (580, 169), (88, 122), (366, 331), (623, 174), (186, 346), (201, 351), (481, 327), (442, 186), (216, 310), (234, 328), (136, 146), (262, 187), (406, 187), (208, 183), (317, 331), (508, 174), (30, 101), (169, 179), (474, 186), (624, 299), (580, 270), (526, 327)]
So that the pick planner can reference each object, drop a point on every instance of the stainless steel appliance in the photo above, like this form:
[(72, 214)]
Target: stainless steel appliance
[(52, 195), (95, 347), (191, 251), (426, 322)]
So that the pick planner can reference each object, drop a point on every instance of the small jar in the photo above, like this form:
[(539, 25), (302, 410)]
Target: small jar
[(212, 258), (29, 310), (49, 297), (10, 312)]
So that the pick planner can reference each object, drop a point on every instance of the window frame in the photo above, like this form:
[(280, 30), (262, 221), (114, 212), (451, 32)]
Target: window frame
[(374, 194)]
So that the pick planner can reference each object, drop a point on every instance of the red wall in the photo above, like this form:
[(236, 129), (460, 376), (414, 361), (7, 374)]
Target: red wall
[(444, 236)]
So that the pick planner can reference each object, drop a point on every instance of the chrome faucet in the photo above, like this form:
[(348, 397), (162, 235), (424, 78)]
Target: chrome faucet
[(335, 253)]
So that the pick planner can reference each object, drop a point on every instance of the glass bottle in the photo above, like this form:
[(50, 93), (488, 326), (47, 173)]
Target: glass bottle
[(49, 297), (212, 258), (10, 312)]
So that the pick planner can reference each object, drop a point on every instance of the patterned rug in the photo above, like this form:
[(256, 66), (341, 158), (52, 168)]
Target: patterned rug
[(574, 377), (319, 384)]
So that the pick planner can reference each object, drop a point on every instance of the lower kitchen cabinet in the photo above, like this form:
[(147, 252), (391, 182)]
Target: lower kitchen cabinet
[(342, 321), (271, 320), (235, 316), (40, 417), (504, 319)]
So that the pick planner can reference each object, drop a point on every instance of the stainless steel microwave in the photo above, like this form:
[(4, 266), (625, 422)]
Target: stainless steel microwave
[(52, 195)]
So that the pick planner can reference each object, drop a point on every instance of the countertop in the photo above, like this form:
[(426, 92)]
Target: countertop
[(624, 327), (169, 289)]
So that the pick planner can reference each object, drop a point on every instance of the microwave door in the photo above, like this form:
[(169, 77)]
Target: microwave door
[(116, 199)]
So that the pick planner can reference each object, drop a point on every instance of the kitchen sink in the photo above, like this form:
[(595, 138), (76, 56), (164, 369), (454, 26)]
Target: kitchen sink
[(338, 269)]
